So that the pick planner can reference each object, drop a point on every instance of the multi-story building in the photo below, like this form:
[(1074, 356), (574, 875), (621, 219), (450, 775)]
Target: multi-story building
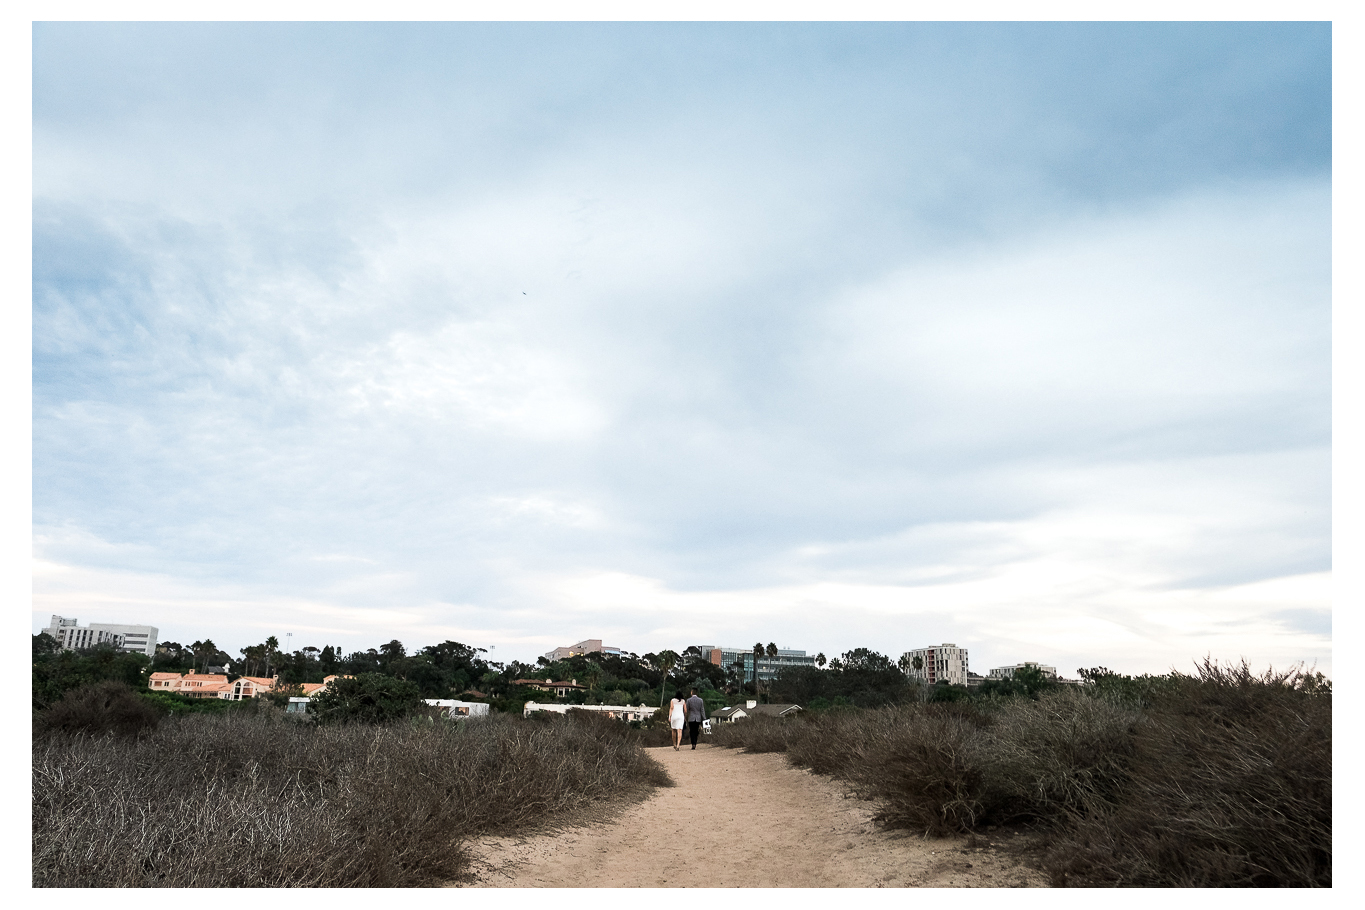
[(132, 639), (768, 667), (937, 663), (1007, 672), (587, 646)]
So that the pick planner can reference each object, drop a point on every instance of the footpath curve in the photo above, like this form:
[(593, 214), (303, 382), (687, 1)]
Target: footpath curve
[(735, 821)]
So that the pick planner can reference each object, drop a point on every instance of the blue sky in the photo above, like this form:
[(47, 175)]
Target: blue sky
[(836, 335)]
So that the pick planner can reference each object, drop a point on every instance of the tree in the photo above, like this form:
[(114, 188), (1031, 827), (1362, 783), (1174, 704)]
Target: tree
[(272, 644), (366, 698), (820, 660), (44, 644), (667, 661), (917, 662), (205, 651), (866, 659)]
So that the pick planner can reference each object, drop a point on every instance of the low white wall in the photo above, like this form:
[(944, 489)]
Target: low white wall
[(622, 712)]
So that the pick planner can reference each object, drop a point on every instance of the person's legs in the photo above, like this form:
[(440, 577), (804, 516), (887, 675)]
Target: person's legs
[(693, 728)]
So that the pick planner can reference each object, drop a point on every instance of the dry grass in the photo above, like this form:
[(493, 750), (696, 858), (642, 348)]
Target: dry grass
[(1221, 778), (262, 801)]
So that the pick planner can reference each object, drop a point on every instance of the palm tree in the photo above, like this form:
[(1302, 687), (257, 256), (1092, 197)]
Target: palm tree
[(758, 652), (209, 650), (667, 661), (272, 644), (820, 660)]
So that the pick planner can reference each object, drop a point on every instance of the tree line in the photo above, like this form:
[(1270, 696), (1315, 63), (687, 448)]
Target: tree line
[(859, 677)]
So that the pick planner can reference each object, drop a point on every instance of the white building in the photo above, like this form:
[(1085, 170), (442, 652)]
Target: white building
[(1008, 672), (937, 663), (618, 712), (131, 639), (458, 710)]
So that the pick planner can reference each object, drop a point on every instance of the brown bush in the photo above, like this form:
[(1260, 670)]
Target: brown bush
[(1230, 784), (251, 801), (103, 707), (759, 733), (1221, 778)]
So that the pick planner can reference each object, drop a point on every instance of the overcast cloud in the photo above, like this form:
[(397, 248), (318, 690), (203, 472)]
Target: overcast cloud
[(1013, 336)]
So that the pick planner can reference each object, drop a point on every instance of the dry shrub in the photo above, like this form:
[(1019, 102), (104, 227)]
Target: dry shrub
[(251, 801), (109, 706), (923, 769), (1062, 757), (1222, 778), (1230, 785), (760, 733)]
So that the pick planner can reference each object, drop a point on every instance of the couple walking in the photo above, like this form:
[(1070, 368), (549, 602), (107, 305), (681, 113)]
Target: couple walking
[(693, 711)]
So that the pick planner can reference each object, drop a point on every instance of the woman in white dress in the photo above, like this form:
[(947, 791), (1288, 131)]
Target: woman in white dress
[(677, 714)]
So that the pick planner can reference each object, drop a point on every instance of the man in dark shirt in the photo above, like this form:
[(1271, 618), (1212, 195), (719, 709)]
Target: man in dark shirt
[(696, 713)]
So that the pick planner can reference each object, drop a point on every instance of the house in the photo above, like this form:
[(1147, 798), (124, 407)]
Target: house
[(249, 687), (560, 689), (752, 708), (193, 685), (311, 689)]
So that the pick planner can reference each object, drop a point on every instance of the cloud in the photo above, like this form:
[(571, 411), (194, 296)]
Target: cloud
[(922, 331)]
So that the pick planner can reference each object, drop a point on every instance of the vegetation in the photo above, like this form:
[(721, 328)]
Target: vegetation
[(368, 698), (254, 798), (56, 672), (1220, 778)]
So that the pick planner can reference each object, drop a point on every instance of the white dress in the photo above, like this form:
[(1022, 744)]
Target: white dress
[(677, 713)]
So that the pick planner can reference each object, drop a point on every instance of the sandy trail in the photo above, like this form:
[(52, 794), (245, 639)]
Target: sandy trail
[(737, 820)]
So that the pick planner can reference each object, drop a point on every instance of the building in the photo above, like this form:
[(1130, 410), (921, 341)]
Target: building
[(298, 704), (937, 663), (617, 712), (560, 689), (458, 710), (249, 687), (191, 685), (131, 639), (311, 689), (1008, 672), (752, 708), (587, 646), (768, 667)]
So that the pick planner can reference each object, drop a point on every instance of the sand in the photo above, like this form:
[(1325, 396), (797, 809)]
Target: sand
[(737, 821)]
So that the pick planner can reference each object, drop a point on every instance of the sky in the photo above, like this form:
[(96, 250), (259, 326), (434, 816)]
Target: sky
[(883, 335)]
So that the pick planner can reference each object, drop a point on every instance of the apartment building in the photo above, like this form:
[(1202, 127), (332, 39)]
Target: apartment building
[(129, 638), (937, 663)]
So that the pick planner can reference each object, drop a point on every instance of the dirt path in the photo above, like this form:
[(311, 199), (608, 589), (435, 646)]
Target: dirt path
[(735, 821)]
